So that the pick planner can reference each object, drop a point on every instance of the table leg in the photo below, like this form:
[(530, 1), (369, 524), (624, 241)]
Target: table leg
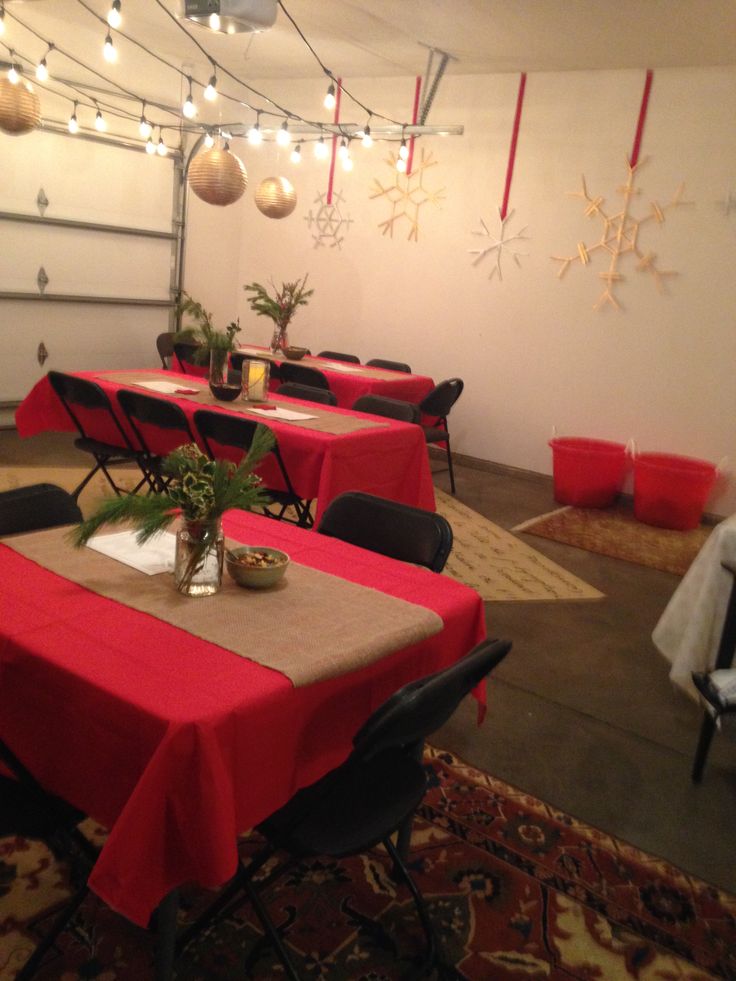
[(166, 918)]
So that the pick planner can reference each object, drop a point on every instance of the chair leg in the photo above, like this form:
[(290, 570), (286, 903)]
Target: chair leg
[(269, 927), (707, 729), (34, 961), (431, 947), (449, 464)]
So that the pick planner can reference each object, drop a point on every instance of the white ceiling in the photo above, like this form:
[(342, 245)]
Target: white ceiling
[(361, 38)]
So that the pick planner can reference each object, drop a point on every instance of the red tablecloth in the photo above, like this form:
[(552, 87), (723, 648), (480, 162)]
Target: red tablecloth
[(174, 743), (356, 381), (390, 460)]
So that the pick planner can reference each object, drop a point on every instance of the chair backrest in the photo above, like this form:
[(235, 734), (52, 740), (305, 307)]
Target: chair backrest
[(36, 506), (420, 708), (382, 405), (297, 391), (82, 393), (185, 352), (165, 347), (389, 528), (442, 398), (145, 410), (338, 356), (303, 374), (390, 365)]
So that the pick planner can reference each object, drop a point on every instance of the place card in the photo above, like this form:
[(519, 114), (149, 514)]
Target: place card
[(278, 413)]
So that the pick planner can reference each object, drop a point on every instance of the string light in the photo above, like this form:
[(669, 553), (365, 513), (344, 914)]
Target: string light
[(283, 137), (367, 140), (114, 18), (2, 19), (189, 109), (343, 152), (13, 73), (210, 93), (100, 124), (347, 162), (403, 151), (255, 136), (161, 149), (330, 100), (150, 148), (320, 149), (401, 165), (73, 124), (296, 154), (42, 69), (144, 127), (214, 21), (209, 140), (109, 52)]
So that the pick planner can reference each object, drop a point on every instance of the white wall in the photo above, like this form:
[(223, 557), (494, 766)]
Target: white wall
[(531, 349)]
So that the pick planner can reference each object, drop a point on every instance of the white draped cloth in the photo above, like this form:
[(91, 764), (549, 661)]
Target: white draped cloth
[(689, 631)]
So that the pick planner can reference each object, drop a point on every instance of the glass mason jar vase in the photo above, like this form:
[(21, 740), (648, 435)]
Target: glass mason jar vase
[(279, 339), (224, 382), (200, 551)]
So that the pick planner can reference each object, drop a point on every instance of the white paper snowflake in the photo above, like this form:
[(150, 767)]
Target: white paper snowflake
[(329, 223), (500, 246)]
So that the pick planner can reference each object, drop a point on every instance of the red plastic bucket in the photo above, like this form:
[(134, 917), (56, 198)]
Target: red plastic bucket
[(671, 491), (588, 473)]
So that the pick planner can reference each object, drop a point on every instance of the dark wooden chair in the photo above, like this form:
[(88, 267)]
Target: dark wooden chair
[(165, 348)]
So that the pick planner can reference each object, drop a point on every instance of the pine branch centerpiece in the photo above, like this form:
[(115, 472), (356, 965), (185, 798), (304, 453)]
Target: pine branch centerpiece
[(210, 346), (198, 491), (279, 307)]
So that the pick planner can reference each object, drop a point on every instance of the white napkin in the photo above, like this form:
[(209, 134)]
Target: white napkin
[(156, 555), (354, 369), (167, 388), (279, 413)]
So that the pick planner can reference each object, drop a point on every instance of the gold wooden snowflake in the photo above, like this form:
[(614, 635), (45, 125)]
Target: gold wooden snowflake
[(407, 195), (329, 223), (620, 237)]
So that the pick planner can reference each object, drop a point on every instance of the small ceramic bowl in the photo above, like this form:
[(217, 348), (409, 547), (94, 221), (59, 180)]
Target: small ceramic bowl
[(256, 566), (295, 353)]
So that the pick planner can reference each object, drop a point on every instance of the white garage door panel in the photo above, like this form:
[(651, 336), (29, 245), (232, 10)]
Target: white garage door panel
[(86, 181), (80, 262), (77, 338)]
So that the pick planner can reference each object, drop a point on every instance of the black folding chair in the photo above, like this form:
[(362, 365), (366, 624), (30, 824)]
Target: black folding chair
[(186, 354), (85, 399), (338, 356), (297, 391), (382, 405), (390, 528), (390, 365), (36, 506), (143, 411), (364, 801), (715, 707), (238, 432), (304, 375), (165, 348), (437, 404)]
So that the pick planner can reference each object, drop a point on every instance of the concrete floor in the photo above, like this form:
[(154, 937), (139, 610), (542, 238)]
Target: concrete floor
[(581, 713)]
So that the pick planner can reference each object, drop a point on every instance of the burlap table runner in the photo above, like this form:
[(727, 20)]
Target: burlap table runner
[(311, 626), (334, 423), (348, 367)]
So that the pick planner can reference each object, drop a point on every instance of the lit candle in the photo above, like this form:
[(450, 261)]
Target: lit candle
[(255, 380)]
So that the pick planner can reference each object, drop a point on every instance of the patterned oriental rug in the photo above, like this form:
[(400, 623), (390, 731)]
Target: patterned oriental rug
[(616, 532), (517, 889)]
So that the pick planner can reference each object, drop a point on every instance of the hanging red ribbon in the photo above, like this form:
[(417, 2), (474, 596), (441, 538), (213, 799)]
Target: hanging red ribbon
[(336, 120), (642, 119), (512, 148), (414, 117)]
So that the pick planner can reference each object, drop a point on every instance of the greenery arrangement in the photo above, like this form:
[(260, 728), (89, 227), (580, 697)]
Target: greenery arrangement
[(284, 303), (202, 331), (199, 490)]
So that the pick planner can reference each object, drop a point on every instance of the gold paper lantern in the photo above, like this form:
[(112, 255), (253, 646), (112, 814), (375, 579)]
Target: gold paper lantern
[(276, 197), (218, 176), (20, 110)]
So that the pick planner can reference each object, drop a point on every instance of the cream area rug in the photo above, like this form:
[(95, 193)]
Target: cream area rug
[(500, 566), (497, 564)]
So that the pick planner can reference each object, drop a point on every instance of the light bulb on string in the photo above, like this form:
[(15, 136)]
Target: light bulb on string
[(73, 124), (109, 53), (283, 137), (100, 124), (144, 127), (161, 149), (296, 154), (150, 148), (209, 140), (367, 140), (42, 69), (210, 93), (403, 151), (347, 162), (13, 73), (114, 17), (255, 136), (320, 149), (343, 151), (214, 21), (189, 109), (401, 165), (330, 101)]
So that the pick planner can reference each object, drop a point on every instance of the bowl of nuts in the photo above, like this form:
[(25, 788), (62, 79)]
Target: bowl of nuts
[(256, 566), (295, 353)]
